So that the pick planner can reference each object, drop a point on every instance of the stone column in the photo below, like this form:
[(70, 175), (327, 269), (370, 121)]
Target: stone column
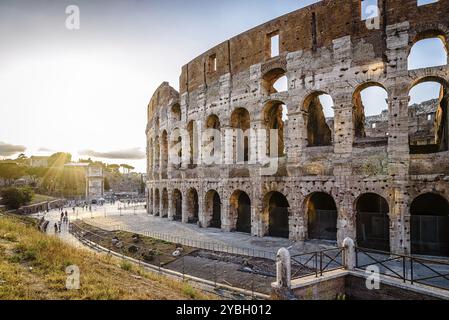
[(185, 208), (398, 169), (283, 269), (226, 224), (171, 209), (350, 254)]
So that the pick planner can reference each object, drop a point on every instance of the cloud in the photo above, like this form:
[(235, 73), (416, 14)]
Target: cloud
[(126, 154), (7, 149), (44, 150)]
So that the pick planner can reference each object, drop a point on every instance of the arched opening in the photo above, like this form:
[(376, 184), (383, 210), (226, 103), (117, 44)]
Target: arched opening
[(212, 145), (240, 211), (275, 81), (192, 206), (370, 114), (164, 212), (322, 216), (157, 154), (373, 222), (164, 151), (428, 51), (176, 113), (176, 149), (275, 115), (151, 199), (240, 120), (428, 116), (319, 119), (278, 214), (213, 209), (429, 225), (193, 141), (177, 205), (150, 156), (156, 202)]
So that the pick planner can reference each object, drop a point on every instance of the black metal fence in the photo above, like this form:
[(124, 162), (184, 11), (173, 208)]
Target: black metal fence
[(429, 272), (317, 263)]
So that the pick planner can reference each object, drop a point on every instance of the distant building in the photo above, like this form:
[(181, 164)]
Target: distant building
[(39, 162), (94, 183)]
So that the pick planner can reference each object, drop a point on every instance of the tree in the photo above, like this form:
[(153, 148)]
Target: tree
[(59, 159), (14, 198), (107, 186), (10, 172)]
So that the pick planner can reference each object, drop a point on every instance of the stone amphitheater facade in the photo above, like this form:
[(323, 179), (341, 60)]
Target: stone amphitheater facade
[(335, 179)]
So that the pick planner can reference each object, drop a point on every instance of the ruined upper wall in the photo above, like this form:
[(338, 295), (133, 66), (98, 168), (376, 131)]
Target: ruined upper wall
[(308, 29), (163, 96)]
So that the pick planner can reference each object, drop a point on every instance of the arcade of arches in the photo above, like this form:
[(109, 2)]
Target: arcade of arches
[(362, 131)]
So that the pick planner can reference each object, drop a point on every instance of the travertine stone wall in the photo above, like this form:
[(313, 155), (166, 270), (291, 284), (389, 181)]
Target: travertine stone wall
[(324, 48)]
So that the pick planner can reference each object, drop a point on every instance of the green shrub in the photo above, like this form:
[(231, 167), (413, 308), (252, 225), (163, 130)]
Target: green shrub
[(14, 198)]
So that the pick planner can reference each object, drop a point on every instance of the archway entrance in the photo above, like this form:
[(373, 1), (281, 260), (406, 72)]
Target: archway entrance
[(322, 216), (429, 225), (278, 215), (213, 209), (241, 211), (373, 223), (156, 202), (192, 206), (177, 205)]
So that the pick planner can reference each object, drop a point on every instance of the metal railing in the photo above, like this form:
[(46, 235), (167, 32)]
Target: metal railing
[(317, 263), (166, 263), (411, 269)]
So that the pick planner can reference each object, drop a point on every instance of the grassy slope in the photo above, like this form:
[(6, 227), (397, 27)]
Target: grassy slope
[(32, 266)]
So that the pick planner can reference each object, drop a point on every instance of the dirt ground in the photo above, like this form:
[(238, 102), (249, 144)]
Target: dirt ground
[(240, 271)]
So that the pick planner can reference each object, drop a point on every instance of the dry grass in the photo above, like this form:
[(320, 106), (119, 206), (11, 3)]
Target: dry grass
[(32, 266)]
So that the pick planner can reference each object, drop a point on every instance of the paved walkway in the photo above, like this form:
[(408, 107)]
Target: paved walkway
[(180, 232)]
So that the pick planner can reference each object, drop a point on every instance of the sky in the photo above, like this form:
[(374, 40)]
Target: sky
[(85, 91)]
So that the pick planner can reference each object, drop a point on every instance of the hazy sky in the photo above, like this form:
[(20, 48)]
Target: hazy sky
[(87, 90)]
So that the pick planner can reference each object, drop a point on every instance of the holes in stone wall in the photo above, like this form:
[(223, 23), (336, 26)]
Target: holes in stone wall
[(192, 206), (213, 209), (176, 148), (322, 216), (429, 224), (240, 119), (164, 155), (274, 44), (156, 202), (370, 113), (212, 143), (276, 206), (176, 113), (177, 205), (428, 117), (430, 51), (425, 2), (275, 81), (212, 63), (369, 9), (275, 116), (194, 143), (373, 223), (240, 211), (319, 119)]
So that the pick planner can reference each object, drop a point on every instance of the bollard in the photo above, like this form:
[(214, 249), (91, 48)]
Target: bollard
[(349, 254), (283, 269)]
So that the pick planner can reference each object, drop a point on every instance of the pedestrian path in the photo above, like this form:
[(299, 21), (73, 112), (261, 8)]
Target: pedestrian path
[(148, 225)]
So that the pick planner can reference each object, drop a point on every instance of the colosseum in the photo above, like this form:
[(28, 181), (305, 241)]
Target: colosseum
[(380, 178)]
